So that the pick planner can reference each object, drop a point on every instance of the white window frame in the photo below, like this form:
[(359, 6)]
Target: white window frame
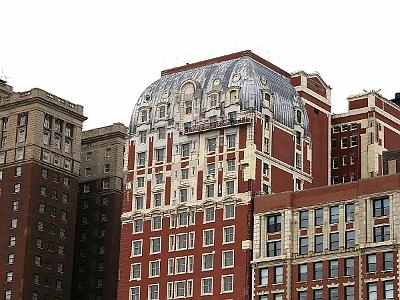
[(222, 284), (224, 236), (141, 248), (224, 265), (131, 277), (204, 237), (202, 286)]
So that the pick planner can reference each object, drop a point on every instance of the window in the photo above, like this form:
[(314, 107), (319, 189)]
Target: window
[(206, 286), (183, 195), (381, 233), (142, 137), (349, 292), (333, 293), (40, 225), (381, 207), (349, 210), (302, 276), (106, 184), (231, 165), (231, 140), (154, 269), (298, 137), (278, 296), (182, 218), (140, 182), (15, 205), (274, 248), (372, 291), (159, 154), (184, 174), (161, 133), (334, 214), (227, 284), (153, 292), (9, 276), (210, 190), (353, 141), (274, 223), (230, 187), (155, 245), (229, 211), (211, 144), (302, 295), (352, 159), (137, 225), (319, 217), (159, 178), (17, 188), (181, 241), (388, 261), (208, 262), (10, 258), (157, 200), (137, 248), (141, 156), (185, 150), (156, 223), (213, 100), (278, 272), (344, 142), (211, 169), (19, 154), (388, 289), (209, 214), (88, 171), (350, 239), (7, 294), (318, 270), (303, 245), (139, 202), (303, 219), (298, 161), (371, 263), (263, 276), (228, 259), (349, 266), (229, 234), (334, 241), (333, 268), (318, 243), (208, 237)]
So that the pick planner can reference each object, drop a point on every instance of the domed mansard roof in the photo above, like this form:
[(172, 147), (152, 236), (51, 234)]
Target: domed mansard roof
[(244, 72)]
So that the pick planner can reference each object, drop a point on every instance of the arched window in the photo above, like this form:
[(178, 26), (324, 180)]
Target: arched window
[(187, 94)]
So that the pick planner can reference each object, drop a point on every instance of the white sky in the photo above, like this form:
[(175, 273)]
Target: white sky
[(103, 54)]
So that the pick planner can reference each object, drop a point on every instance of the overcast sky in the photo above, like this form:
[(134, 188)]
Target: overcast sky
[(103, 54)]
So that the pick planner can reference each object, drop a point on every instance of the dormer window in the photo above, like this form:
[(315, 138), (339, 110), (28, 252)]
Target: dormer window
[(213, 100), (162, 112), (143, 116), (233, 96), (299, 117)]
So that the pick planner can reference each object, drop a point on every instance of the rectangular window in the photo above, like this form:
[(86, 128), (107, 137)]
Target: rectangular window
[(209, 214), (159, 177), (231, 165), (372, 291), (278, 274), (157, 200), (227, 284), (159, 154), (303, 245), (154, 268), (211, 169), (274, 223), (302, 275), (264, 276), (353, 141), (334, 214), (207, 286), (141, 156), (153, 292), (142, 137), (211, 144), (231, 140), (298, 161), (318, 294), (156, 223), (183, 195), (208, 237), (208, 262), (388, 261), (155, 245), (137, 248), (184, 174), (302, 295), (229, 235), (333, 293), (349, 208), (298, 138), (381, 207), (381, 233), (318, 270), (139, 202), (349, 292), (349, 266), (344, 142), (228, 259), (185, 150), (229, 211), (318, 216), (274, 248), (210, 190), (230, 187), (388, 289), (334, 241), (135, 271), (333, 268), (161, 133), (350, 239), (318, 243), (303, 219), (371, 263)]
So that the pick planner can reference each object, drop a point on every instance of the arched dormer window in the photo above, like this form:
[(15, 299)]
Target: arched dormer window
[(233, 96), (162, 111), (213, 100), (187, 94)]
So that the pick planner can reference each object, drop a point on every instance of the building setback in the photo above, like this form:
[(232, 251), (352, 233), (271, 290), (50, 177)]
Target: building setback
[(206, 137), (361, 135), (95, 274), (336, 242), (40, 137)]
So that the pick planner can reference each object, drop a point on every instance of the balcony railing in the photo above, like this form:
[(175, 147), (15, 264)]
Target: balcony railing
[(206, 126)]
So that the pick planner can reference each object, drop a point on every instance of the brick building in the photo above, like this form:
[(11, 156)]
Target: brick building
[(40, 137), (336, 242), (359, 136), (95, 274), (206, 137)]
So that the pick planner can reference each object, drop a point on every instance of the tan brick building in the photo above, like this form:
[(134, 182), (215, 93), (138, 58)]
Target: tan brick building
[(40, 137)]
